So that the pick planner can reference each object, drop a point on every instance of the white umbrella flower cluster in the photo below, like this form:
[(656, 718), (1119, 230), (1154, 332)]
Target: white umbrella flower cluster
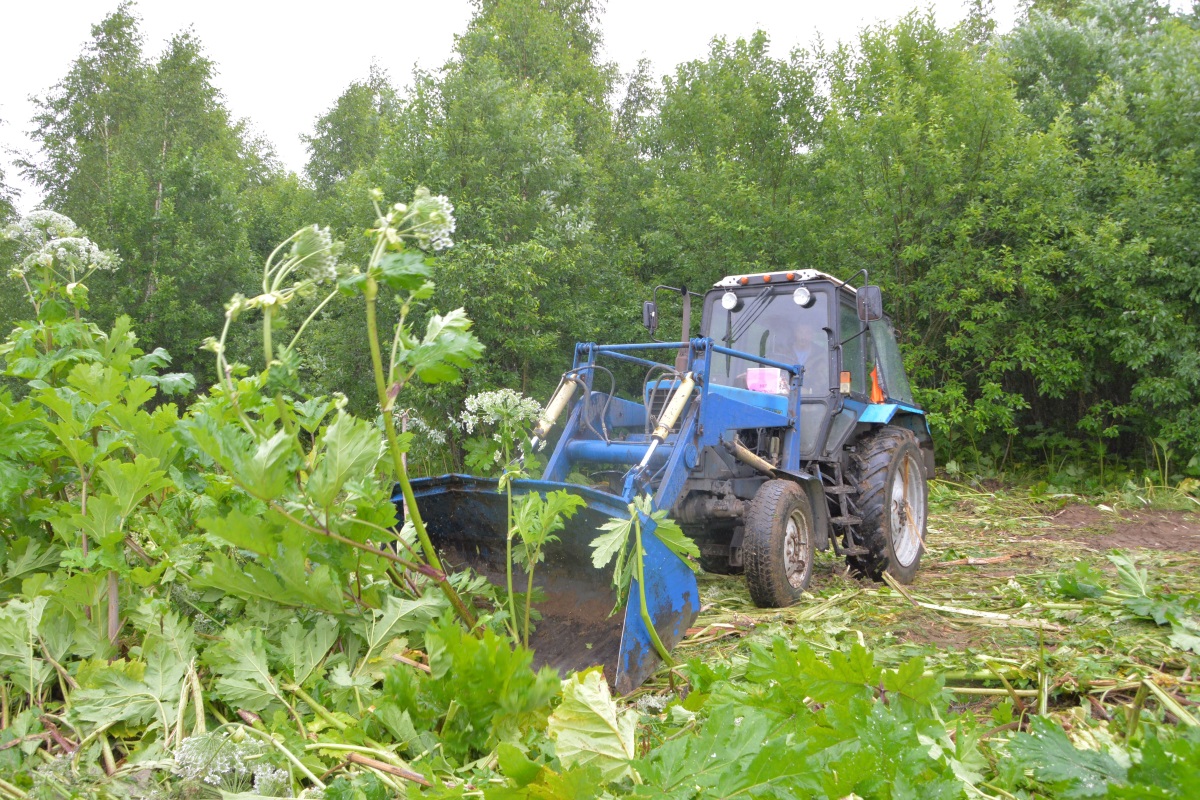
[(53, 245), (510, 413)]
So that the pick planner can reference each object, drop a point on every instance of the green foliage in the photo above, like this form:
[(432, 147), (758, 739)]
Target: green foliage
[(254, 515), (143, 153), (630, 560), (480, 691), (1055, 761), (825, 729), (589, 730), (532, 525), (214, 597), (614, 546), (1166, 769), (1136, 597), (1025, 201)]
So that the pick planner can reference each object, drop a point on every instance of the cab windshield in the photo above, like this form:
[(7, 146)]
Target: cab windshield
[(770, 324)]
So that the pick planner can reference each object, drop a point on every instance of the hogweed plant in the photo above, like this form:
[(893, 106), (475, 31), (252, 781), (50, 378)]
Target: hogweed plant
[(498, 422), (328, 489), (56, 256), (99, 458), (628, 564), (502, 421)]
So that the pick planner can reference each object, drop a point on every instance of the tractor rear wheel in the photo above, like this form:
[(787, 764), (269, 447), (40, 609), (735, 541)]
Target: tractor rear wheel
[(892, 500), (778, 546)]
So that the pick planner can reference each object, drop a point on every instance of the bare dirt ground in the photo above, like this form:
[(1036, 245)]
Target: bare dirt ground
[(1089, 526)]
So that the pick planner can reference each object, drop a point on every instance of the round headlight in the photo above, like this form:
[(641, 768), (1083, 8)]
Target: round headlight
[(802, 296), (729, 301)]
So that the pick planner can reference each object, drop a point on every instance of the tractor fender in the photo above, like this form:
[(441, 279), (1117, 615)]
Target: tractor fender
[(902, 415)]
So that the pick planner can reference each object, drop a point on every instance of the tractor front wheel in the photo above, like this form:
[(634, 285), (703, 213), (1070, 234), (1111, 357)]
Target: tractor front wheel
[(892, 501), (778, 546)]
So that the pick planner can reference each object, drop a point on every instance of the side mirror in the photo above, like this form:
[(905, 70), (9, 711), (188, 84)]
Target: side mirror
[(650, 315), (870, 303)]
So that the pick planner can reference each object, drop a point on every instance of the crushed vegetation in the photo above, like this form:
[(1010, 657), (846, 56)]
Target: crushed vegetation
[(1027, 660)]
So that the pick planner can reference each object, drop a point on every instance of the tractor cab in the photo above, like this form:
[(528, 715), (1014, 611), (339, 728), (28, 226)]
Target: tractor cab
[(839, 336)]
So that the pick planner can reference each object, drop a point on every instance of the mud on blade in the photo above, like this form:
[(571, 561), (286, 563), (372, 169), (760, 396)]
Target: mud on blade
[(466, 518)]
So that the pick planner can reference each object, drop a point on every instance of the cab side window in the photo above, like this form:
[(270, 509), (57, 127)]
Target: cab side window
[(853, 351), (891, 364)]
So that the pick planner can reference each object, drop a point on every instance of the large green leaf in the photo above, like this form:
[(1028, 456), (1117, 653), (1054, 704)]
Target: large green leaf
[(131, 483), (536, 521), (116, 696), (350, 448), (20, 659), (288, 581), (1055, 761), (380, 626), (736, 752), (25, 557), (245, 680), (103, 522), (406, 270), (264, 471), (447, 347), (678, 542), (482, 691), (1168, 769), (607, 545), (254, 533), (303, 649), (260, 464), (168, 630), (588, 729), (800, 673), (119, 698)]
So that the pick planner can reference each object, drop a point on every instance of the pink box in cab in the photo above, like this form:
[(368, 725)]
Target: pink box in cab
[(766, 379)]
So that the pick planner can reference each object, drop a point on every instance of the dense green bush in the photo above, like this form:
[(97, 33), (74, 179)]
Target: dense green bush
[(1026, 200)]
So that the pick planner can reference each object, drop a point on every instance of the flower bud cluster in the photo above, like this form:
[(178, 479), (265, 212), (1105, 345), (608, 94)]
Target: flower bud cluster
[(316, 253), (503, 407), (433, 220), (418, 424), (220, 759), (428, 221)]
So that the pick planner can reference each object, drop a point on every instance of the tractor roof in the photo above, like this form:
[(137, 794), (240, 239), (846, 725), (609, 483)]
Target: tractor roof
[(790, 276)]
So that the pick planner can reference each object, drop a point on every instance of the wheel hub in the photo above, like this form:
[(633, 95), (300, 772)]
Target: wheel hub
[(907, 511), (796, 539)]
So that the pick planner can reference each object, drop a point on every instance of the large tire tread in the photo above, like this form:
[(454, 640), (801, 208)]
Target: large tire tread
[(762, 547), (871, 463)]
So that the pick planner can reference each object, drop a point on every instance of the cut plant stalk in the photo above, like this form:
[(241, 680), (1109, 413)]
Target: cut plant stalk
[(641, 579), (1170, 704), (399, 772), (371, 293)]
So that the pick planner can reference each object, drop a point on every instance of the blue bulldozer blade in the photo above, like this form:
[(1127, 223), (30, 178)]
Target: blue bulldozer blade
[(466, 518)]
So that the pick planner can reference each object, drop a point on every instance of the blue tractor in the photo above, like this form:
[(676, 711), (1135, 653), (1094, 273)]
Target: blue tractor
[(788, 425)]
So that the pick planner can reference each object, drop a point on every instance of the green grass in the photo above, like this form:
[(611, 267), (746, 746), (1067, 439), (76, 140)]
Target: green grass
[(1084, 648)]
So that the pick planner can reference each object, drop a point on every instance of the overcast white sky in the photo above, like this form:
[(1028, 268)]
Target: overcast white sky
[(283, 64)]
